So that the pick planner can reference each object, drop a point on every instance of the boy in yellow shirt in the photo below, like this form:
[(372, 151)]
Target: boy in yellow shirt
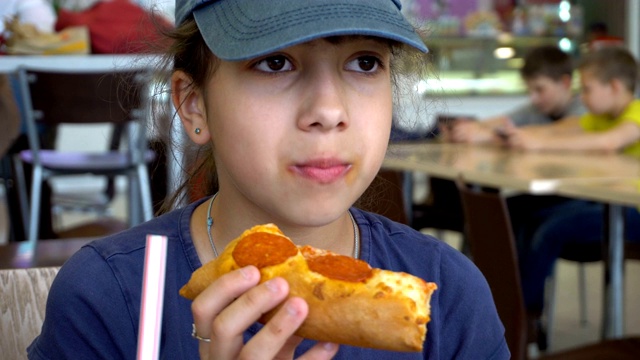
[(548, 75), (608, 80)]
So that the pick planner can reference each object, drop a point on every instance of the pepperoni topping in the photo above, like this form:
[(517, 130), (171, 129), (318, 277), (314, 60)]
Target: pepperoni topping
[(263, 249), (340, 267)]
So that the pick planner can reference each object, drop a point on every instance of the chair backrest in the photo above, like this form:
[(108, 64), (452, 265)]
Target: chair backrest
[(386, 196), (491, 241), (24, 296), (55, 97), (81, 97), (442, 208)]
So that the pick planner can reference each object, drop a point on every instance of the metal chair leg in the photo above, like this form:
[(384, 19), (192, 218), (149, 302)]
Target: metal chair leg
[(23, 197), (145, 192), (134, 203), (5, 232), (36, 195), (582, 293), (550, 305)]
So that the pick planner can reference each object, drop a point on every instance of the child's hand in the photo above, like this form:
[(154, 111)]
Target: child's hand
[(234, 302), (523, 140), (463, 130), (503, 131)]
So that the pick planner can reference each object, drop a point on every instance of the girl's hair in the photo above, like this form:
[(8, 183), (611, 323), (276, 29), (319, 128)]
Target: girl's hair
[(611, 63), (186, 52), (189, 53)]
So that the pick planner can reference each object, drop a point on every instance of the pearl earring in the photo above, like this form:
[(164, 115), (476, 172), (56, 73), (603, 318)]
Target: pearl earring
[(197, 131)]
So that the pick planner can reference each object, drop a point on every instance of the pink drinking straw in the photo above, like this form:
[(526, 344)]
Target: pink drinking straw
[(155, 265)]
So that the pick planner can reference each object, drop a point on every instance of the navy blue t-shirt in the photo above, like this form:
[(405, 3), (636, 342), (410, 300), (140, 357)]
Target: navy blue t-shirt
[(94, 304)]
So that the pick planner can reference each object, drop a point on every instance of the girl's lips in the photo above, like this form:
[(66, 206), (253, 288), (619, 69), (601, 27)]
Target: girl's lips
[(322, 171)]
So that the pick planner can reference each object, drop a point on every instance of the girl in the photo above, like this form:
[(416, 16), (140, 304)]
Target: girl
[(294, 100)]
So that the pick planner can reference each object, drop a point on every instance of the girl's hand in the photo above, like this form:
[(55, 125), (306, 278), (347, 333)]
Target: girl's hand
[(234, 302)]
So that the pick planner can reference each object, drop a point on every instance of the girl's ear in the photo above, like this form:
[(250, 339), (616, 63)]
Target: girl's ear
[(189, 103)]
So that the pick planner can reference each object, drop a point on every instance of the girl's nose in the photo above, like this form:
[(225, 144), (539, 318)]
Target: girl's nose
[(324, 105)]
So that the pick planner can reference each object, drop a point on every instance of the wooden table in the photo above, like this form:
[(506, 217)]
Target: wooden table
[(532, 172), (10, 63), (622, 191), (609, 178), (22, 255)]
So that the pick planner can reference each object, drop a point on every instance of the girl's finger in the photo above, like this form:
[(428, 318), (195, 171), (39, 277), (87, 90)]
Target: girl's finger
[(215, 298), (321, 351), (288, 350), (228, 327), (275, 339)]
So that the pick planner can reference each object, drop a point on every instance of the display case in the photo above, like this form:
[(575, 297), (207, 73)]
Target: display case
[(483, 65), (477, 46)]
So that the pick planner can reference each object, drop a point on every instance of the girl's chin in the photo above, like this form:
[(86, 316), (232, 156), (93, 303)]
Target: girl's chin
[(318, 214)]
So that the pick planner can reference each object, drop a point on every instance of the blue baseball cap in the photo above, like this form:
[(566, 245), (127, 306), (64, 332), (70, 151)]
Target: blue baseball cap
[(244, 29)]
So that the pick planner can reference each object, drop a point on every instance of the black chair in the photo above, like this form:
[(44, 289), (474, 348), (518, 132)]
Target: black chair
[(441, 210), (390, 194), (118, 98), (386, 196), (492, 246)]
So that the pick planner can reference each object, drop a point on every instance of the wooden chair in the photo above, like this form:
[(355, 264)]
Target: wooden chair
[(492, 246), (441, 210), (386, 196), (118, 98), (24, 296), (390, 195)]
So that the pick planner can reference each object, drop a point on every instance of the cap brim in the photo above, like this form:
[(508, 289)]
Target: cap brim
[(240, 30)]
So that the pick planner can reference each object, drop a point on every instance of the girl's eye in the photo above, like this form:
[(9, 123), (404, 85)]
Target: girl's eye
[(276, 63), (366, 63)]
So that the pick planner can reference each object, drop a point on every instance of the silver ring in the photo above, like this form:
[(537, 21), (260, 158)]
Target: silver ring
[(195, 335)]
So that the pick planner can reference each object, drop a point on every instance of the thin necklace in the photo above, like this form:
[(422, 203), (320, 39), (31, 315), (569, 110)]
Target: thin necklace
[(210, 224), (356, 231), (356, 236)]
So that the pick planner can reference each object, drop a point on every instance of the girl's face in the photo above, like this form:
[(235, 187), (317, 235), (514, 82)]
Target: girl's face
[(596, 95), (299, 134)]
